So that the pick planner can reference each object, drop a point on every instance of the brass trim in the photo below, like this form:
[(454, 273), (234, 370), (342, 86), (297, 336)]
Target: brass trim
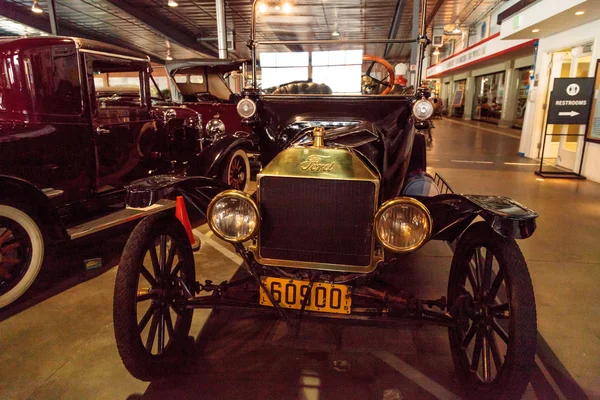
[(347, 166), (240, 195), (396, 201), (318, 137)]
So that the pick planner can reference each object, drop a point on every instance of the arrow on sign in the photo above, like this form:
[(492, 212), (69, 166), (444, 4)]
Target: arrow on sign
[(568, 113)]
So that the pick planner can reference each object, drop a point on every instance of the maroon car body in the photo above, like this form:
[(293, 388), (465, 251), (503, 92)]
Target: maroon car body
[(78, 120)]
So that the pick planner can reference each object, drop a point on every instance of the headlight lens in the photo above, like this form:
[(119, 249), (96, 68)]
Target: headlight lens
[(215, 127), (422, 110), (233, 216), (246, 108), (402, 224)]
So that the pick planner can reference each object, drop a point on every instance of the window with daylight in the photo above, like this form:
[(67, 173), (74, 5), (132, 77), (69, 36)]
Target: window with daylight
[(340, 70), (280, 68)]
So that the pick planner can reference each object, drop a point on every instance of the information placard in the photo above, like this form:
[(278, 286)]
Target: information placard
[(571, 101), (593, 132)]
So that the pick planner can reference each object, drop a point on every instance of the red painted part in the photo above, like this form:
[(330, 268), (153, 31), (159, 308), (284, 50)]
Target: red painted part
[(182, 216), (467, 49), (515, 48)]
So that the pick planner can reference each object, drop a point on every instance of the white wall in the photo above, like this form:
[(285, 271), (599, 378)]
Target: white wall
[(534, 115)]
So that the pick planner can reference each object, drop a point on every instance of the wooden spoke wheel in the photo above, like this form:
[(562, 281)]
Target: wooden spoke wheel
[(494, 347), (155, 276), (237, 171)]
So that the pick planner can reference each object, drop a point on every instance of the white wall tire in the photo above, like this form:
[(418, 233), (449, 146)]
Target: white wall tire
[(29, 235), (237, 171)]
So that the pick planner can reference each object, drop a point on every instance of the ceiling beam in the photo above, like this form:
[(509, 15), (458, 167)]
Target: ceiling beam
[(162, 28), (436, 8), (23, 15), (394, 26)]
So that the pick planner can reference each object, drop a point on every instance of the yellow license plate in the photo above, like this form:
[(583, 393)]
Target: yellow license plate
[(290, 293)]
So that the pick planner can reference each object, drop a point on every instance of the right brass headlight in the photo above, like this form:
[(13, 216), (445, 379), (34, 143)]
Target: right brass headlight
[(233, 216), (403, 224)]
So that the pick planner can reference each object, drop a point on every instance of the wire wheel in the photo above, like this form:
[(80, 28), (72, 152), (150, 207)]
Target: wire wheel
[(494, 346), (156, 275), (237, 174)]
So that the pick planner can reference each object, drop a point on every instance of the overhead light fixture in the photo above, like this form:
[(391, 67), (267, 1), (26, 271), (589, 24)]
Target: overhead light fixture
[(168, 58), (580, 13), (172, 3), (262, 8), (535, 30), (456, 30), (335, 33), (436, 52), (287, 8), (277, 7), (36, 7)]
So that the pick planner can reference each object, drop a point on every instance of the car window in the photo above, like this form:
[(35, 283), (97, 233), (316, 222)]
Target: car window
[(118, 83), (197, 79), (54, 82), (181, 78)]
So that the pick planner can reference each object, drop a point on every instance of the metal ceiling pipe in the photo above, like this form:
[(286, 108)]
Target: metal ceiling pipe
[(52, 15), (395, 22), (221, 28)]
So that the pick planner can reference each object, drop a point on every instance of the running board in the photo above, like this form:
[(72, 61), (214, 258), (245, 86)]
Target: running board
[(117, 218)]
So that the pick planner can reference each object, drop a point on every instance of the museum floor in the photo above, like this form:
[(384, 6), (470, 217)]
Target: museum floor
[(57, 342)]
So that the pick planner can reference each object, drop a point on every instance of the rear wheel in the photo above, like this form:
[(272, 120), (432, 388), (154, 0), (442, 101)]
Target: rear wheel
[(494, 349), (150, 318), (21, 253), (237, 170)]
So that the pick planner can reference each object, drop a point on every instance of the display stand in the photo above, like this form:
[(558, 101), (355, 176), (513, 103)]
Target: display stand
[(570, 104), (561, 174)]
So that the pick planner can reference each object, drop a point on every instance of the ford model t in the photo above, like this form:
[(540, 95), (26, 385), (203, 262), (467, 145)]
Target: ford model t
[(342, 194)]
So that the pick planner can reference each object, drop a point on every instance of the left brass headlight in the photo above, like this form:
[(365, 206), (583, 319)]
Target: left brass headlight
[(403, 224), (233, 216)]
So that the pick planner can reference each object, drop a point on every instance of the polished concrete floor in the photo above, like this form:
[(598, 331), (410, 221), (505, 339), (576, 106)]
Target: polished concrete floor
[(57, 342)]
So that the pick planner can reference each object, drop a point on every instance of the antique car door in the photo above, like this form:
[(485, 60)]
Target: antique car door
[(121, 118)]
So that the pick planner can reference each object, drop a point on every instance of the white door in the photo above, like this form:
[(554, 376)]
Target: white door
[(568, 146)]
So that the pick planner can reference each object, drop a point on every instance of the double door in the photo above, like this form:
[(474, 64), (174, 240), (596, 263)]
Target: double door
[(573, 62)]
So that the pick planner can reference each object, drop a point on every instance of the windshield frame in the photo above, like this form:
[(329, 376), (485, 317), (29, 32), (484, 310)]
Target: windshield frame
[(421, 40)]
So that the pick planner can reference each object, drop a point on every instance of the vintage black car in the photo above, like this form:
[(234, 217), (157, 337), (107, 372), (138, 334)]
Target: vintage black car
[(78, 121), (341, 197)]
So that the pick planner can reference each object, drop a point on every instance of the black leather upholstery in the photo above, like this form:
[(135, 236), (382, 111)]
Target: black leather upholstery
[(303, 88)]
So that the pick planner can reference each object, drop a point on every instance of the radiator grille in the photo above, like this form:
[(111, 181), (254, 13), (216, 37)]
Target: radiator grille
[(317, 220)]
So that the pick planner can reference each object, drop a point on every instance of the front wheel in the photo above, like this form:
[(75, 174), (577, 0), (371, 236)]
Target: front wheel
[(494, 348), (237, 170), (21, 253), (155, 276)]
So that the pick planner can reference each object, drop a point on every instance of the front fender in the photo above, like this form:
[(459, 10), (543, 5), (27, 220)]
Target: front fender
[(213, 155), (452, 213)]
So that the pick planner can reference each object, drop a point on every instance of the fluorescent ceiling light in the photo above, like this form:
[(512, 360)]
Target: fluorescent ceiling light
[(287, 8), (172, 3), (580, 13), (535, 30)]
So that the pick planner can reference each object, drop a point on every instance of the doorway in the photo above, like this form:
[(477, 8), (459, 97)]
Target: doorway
[(574, 62)]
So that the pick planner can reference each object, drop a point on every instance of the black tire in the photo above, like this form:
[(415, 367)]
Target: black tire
[(143, 356), (236, 171), (497, 323), (22, 248)]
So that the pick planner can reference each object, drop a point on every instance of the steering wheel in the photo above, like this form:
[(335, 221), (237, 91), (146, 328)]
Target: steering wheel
[(370, 84)]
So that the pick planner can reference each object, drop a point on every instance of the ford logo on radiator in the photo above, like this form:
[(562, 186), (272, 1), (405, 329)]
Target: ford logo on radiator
[(315, 163)]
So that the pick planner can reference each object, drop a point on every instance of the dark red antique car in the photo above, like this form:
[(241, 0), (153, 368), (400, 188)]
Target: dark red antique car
[(78, 121), (212, 88)]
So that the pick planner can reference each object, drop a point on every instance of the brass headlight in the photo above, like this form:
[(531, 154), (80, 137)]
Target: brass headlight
[(422, 110), (402, 224), (233, 216)]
